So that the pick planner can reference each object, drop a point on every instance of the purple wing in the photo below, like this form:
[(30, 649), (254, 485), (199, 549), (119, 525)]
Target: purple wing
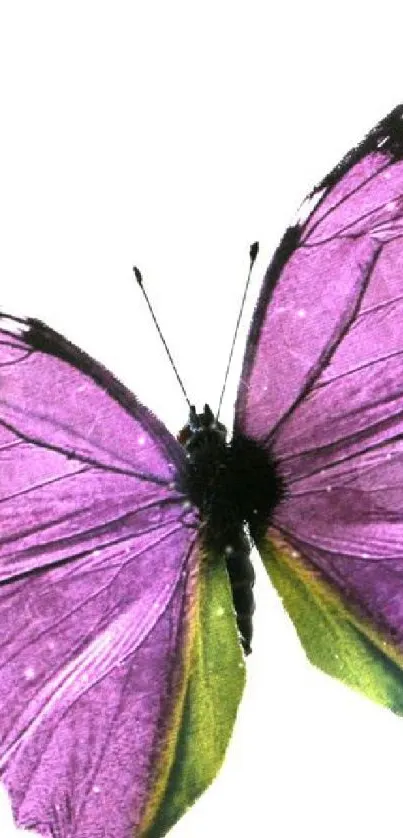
[(322, 383), (97, 568)]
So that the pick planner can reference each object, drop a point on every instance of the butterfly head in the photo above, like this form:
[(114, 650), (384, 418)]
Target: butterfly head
[(201, 427)]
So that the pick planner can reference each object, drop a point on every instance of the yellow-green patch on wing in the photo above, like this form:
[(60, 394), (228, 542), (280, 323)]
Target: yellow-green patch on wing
[(206, 709), (334, 638)]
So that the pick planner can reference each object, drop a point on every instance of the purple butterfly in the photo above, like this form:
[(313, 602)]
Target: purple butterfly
[(124, 553)]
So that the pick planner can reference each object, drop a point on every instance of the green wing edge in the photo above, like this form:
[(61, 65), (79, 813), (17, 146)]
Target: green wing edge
[(335, 639), (206, 704)]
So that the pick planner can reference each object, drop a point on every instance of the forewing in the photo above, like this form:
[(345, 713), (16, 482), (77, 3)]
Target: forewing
[(322, 388), (100, 597), (346, 257)]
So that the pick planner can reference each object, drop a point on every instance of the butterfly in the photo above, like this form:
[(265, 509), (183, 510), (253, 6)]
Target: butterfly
[(126, 593)]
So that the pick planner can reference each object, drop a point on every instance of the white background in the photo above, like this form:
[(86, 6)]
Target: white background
[(172, 135)]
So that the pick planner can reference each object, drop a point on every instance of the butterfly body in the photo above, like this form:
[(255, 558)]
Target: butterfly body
[(227, 481)]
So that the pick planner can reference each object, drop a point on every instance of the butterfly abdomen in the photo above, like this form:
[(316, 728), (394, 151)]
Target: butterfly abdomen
[(235, 485), (242, 577)]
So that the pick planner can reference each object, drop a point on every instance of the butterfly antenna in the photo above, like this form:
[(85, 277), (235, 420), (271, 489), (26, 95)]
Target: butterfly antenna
[(139, 279), (254, 250)]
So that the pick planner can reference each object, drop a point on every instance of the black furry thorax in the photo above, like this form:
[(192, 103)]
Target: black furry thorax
[(236, 486)]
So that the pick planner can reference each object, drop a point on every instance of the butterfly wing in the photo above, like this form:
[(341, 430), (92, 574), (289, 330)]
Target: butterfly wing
[(322, 388), (104, 604)]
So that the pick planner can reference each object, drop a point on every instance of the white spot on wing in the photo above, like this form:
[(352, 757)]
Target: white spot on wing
[(29, 673)]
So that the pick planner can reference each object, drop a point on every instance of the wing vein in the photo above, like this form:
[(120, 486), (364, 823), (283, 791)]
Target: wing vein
[(81, 458), (328, 352), (345, 197)]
